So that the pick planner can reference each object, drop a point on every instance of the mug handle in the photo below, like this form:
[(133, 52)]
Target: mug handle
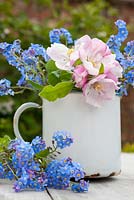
[(17, 115)]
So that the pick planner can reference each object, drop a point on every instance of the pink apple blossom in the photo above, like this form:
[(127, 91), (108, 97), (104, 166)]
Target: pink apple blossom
[(92, 53), (83, 43), (98, 90), (80, 76), (61, 55), (113, 69)]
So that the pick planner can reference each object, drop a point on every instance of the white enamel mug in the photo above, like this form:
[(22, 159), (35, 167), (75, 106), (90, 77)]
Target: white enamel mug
[(96, 131)]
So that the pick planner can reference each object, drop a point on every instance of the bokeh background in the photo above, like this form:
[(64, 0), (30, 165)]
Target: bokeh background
[(31, 20)]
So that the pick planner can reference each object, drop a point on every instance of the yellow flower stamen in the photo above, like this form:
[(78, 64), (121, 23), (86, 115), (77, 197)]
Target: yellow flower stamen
[(97, 86), (70, 51)]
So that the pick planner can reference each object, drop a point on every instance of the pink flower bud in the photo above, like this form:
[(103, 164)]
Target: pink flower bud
[(80, 76)]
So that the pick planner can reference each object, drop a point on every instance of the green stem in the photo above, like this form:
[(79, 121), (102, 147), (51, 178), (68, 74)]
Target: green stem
[(41, 72), (12, 171), (129, 69), (2, 153), (52, 151), (19, 92), (22, 87), (41, 62), (27, 67), (122, 79)]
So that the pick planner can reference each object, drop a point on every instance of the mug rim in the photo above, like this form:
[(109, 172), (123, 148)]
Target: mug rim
[(78, 93)]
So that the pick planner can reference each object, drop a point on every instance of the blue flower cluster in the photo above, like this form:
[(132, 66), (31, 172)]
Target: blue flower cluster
[(23, 165), (129, 49), (128, 80), (1, 171), (10, 51), (38, 144), (5, 87), (30, 60), (128, 61), (125, 58), (32, 171), (27, 61), (115, 41), (6, 172), (56, 34), (63, 139), (60, 172), (30, 179), (80, 187)]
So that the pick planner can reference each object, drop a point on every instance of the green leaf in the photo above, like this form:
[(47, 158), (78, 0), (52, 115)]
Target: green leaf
[(65, 76), (58, 76), (4, 142), (43, 154), (56, 73), (53, 78), (77, 62), (50, 66), (35, 85), (51, 93), (101, 71)]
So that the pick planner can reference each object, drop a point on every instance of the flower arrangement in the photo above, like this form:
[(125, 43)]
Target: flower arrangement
[(100, 70), (33, 165)]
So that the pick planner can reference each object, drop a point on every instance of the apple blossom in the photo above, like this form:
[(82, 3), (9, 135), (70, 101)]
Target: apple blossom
[(61, 55), (92, 53), (98, 90)]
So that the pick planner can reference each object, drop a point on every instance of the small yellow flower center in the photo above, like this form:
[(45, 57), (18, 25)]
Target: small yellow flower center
[(18, 154), (97, 86), (89, 59), (92, 61), (94, 64), (30, 175), (70, 51)]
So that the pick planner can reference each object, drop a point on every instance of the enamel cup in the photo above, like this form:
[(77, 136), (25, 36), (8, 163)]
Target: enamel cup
[(96, 131)]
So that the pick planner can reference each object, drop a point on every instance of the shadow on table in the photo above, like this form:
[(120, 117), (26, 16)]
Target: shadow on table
[(101, 180)]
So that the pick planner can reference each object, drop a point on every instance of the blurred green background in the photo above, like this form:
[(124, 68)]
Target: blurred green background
[(30, 21)]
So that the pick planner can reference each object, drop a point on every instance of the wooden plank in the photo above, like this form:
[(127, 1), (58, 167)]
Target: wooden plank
[(128, 164), (7, 193), (116, 188)]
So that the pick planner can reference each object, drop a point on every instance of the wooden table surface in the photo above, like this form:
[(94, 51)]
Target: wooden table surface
[(116, 188)]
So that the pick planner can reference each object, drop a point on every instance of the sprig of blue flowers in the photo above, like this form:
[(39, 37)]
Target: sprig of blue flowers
[(5, 87), (30, 62), (125, 57), (32, 165), (56, 34), (63, 139), (27, 62)]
